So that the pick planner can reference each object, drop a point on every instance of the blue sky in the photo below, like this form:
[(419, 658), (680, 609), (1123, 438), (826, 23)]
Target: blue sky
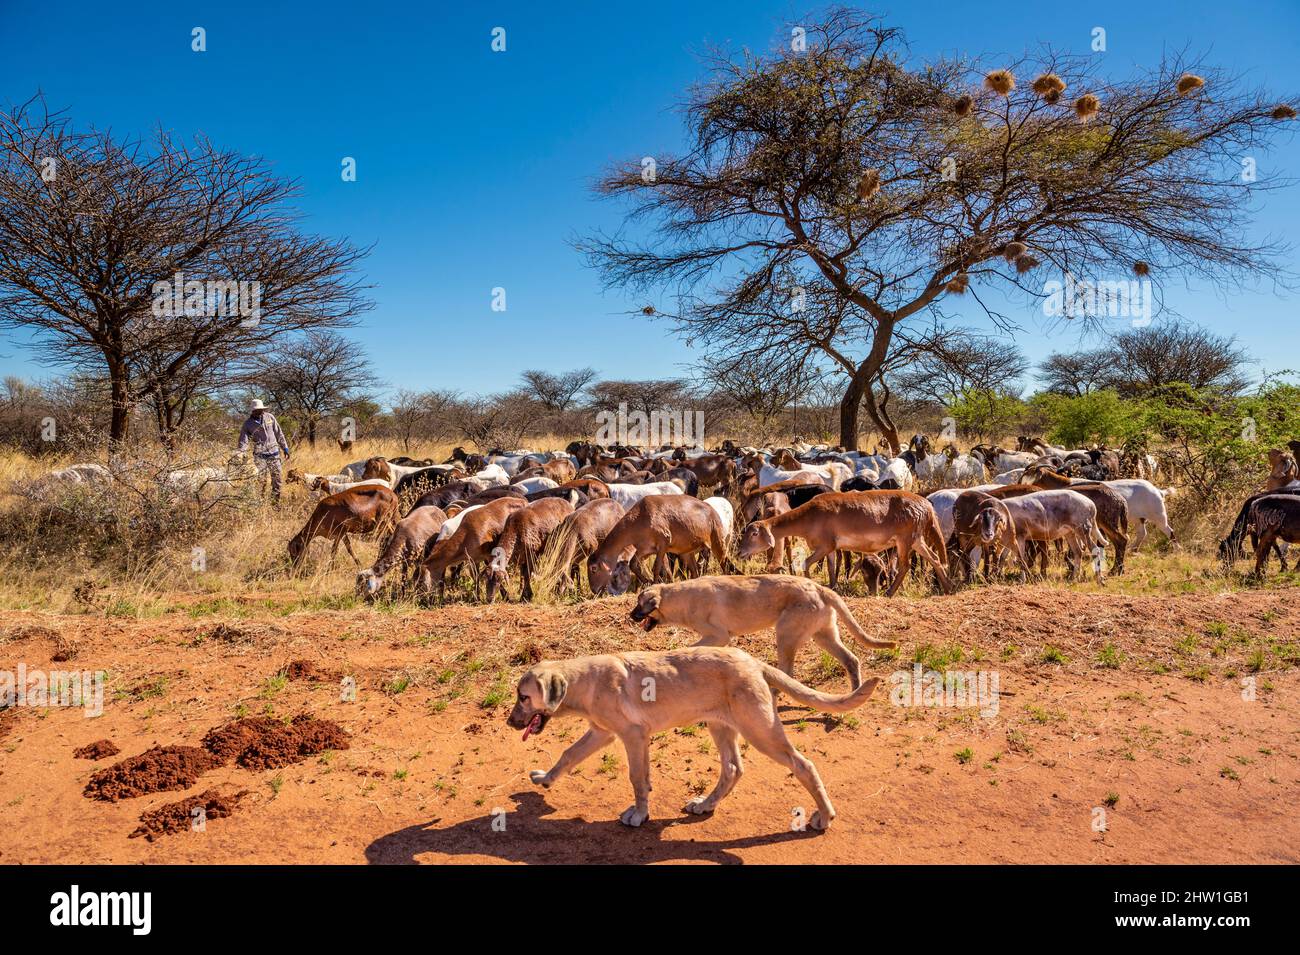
[(474, 168)]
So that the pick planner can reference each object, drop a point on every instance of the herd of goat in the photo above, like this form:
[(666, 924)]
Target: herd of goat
[(613, 510)]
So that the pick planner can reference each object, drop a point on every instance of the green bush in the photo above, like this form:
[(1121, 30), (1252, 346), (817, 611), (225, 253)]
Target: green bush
[(1101, 417), (986, 413)]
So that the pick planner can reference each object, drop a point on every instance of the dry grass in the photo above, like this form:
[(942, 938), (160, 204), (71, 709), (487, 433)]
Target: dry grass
[(245, 568)]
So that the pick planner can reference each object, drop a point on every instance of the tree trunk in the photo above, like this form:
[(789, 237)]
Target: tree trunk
[(884, 424), (162, 413), (849, 406), (311, 432), (120, 401)]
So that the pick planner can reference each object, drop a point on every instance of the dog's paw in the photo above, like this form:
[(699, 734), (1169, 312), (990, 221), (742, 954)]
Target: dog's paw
[(540, 778), (821, 822), (632, 816), (698, 806)]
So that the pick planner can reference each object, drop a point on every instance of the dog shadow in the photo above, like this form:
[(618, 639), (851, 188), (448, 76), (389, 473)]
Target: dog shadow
[(528, 835)]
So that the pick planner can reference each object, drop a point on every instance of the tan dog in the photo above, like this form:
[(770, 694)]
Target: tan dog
[(720, 609), (632, 696)]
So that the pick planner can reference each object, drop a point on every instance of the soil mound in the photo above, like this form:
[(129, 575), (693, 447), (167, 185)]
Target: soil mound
[(265, 743), (100, 749), (155, 770), (179, 816), (309, 671)]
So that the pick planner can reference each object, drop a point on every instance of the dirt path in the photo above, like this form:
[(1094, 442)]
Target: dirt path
[(1131, 707)]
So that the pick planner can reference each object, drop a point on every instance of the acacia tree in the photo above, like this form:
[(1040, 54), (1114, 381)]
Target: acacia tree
[(1165, 353), (314, 377), (426, 413), (1075, 374), (961, 362), (836, 160), (760, 386), (94, 230), (557, 393)]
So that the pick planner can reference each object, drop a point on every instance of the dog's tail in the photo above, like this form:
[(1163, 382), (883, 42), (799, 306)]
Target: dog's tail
[(815, 698), (852, 626)]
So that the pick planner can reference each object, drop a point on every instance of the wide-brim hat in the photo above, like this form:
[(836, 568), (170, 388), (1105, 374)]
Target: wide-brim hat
[(257, 405)]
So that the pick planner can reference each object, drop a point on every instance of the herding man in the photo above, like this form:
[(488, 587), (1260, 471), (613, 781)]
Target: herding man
[(268, 440)]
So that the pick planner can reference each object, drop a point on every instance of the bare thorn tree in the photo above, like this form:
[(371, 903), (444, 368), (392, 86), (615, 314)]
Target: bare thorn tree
[(1075, 374), (557, 393), (155, 264), (314, 377)]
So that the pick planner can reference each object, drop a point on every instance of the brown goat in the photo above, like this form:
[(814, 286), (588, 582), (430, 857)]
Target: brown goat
[(471, 543), (377, 467), (589, 486), (405, 548), (658, 525), (522, 539), (865, 522), (581, 532), (560, 470), (713, 470), (966, 524), (765, 505), (373, 509), (752, 500)]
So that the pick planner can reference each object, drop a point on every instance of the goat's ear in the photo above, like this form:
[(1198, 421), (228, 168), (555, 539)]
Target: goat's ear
[(621, 579)]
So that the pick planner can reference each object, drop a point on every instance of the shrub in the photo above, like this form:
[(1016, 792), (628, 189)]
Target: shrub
[(1098, 417)]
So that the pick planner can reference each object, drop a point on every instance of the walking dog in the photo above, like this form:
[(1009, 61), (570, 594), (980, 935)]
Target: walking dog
[(632, 696), (720, 609)]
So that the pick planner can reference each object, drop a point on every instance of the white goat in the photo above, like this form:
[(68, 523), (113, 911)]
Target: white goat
[(529, 485), (832, 475), (1010, 460), (726, 514), (328, 487), (944, 500), (81, 474), (629, 494), (897, 469), (950, 470), (453, 522), (494, 475), (238, 469), (1146, 503)]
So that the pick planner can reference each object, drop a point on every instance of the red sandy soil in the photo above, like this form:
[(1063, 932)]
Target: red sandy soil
[(1192, 771)]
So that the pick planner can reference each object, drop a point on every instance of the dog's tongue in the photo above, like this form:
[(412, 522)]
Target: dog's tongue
[(532, 726), (647, 623)]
